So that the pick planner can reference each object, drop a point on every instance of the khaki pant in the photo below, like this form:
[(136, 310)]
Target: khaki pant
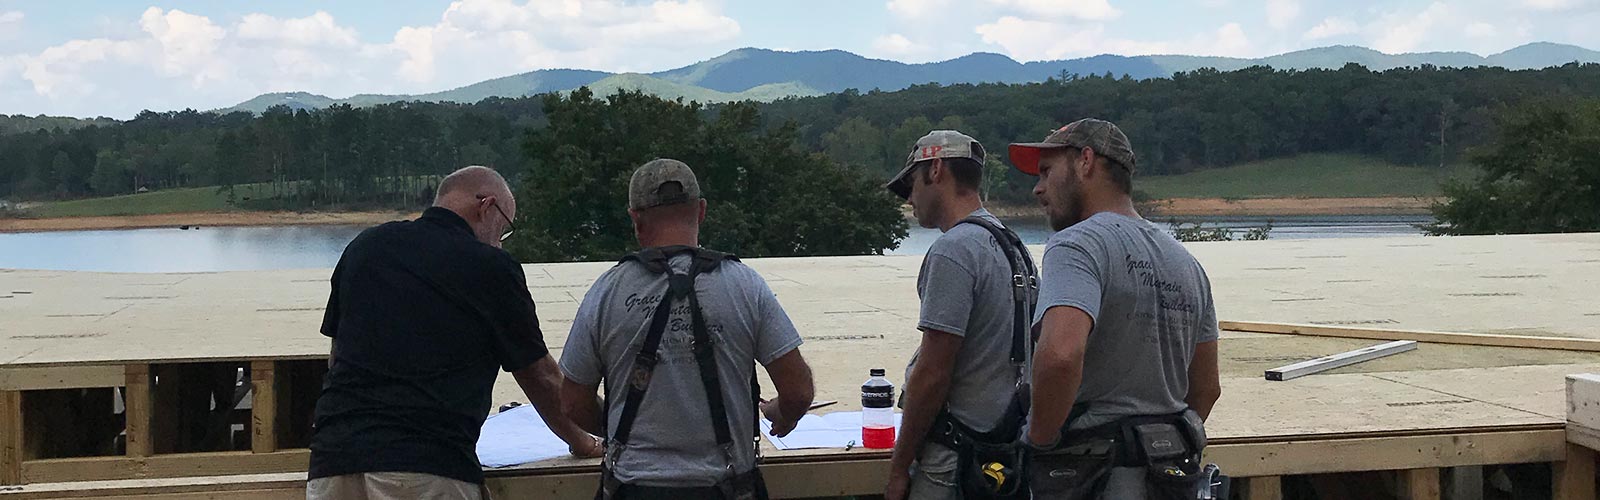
[(393, 486)]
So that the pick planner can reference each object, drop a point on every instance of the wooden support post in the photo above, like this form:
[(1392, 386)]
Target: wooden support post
[(264, 407), (1263, 488), (140, 414), (1575, 477), (11, 444), (1466, 483), (1420, 484)]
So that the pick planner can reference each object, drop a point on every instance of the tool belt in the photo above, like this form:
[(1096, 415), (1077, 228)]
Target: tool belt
[(989, 465), (1167, 447), (748, 485)]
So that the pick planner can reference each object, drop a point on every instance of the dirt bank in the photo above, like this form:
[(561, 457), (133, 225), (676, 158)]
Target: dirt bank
[(200, 219)]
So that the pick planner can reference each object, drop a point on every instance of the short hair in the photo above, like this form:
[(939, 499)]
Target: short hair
[(967, 172), (474, 178)]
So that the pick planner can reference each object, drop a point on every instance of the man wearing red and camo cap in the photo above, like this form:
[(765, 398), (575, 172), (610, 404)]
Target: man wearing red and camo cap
[(1126, 360)]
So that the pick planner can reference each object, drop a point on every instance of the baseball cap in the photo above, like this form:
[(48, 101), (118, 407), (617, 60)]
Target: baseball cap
[(1102, 136), (662, 182), (937, 144)]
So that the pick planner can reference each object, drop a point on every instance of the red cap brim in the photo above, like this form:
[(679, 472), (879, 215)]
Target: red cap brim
[(1026, 156)]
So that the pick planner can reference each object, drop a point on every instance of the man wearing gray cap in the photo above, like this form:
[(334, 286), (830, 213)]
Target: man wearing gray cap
[(680, 406), (1126, 363), (961, 380)]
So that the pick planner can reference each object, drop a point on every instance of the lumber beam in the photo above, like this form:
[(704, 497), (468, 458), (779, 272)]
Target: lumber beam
[(1323, 456), (11, 435), (239, 487), (1478, 339), (1575, 477), (1263, 488), (163, 466), (1465, 482), (263, 407), (139, 386), (1420, 484), (60, 377)]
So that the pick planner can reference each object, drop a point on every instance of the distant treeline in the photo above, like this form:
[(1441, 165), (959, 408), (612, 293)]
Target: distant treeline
[(1192, 121)]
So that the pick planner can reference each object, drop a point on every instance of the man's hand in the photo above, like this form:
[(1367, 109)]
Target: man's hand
[(593, 447), (899, 485), (773, 411)]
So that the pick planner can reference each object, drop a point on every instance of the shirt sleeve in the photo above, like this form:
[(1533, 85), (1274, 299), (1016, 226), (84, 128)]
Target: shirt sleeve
[(1208, 329), (1070, 277), (947, 295), (330, 314), (517, 338), (580, 358), (775, 332)]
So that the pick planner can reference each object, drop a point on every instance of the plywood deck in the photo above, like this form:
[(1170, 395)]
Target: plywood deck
[(858, 313)]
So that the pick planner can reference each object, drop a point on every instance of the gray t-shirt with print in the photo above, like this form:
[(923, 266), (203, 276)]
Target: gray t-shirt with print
[(673, 443), (965, 287), (1151, 305)]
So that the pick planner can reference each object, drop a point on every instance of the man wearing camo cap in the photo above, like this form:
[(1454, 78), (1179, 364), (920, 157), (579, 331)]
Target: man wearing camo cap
[(961, 371), (1127, 329)]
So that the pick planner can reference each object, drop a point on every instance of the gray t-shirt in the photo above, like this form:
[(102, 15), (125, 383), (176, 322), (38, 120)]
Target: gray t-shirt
[(673, 442), (965, 287), (1151, 304)]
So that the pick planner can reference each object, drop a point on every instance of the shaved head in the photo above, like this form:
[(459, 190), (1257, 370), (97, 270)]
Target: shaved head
[(481, 196), (471, 182)]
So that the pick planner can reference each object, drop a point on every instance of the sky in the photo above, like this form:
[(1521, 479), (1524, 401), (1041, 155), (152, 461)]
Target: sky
[(116, 57)]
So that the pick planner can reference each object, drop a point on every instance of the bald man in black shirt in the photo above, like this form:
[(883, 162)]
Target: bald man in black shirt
[(422, 315)]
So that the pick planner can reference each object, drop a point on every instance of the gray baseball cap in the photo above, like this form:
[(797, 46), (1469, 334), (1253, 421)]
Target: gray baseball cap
[(937, 144), (1102, 136), (662, 182)]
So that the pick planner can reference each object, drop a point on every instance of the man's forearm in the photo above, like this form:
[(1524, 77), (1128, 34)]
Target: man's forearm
[(1055, 388), (924, 394), (541, 383)]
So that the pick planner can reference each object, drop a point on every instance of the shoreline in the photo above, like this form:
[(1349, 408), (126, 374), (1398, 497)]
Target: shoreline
[(1176, 207), (1258, 207), (200, 219)]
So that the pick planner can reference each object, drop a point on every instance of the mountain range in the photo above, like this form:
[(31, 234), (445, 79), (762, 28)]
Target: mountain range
[(766, 75)]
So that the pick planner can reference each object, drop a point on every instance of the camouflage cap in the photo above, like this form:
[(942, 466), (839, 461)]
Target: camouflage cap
[(662, 182), (937, 144), (1102, 136)]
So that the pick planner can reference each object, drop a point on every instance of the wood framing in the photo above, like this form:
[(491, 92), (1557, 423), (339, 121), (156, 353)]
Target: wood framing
[(139, 387), (264, 407), (1420, 484), (1320, 456), (1262, 488), (11, 434), (1478, 339), (163, 466), (1575, 477), (60, 377)]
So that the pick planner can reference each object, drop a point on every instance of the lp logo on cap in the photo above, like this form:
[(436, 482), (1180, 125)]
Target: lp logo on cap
[(931, 151)]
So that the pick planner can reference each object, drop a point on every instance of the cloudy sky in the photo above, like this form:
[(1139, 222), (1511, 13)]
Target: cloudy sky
[(115, 57)]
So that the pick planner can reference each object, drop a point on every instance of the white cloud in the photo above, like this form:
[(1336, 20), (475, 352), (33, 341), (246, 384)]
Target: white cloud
[(10, 23), (1031, 40), (893, 43), (1481, 30), (318, 29), (1282, 13), (1332, 27), (1091, 10), (915, 9), (1553, 5), (1400, 34)]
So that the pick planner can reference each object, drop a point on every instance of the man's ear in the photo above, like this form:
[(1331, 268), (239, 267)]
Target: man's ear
[(634, 214), (937, 171), (702, 217), (1086, 164)]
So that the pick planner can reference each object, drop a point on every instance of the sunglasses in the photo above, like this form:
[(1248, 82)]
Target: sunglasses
[(511, 227)]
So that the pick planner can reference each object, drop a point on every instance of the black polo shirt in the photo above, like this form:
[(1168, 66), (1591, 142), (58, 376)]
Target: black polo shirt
[(422, 317)]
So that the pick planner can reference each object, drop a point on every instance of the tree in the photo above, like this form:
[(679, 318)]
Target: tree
[(766, 196), (1541, 176), (856, 142), (110, 174)]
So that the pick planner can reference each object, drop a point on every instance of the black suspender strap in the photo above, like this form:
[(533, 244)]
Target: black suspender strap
[(1024, 284), (679, 285)]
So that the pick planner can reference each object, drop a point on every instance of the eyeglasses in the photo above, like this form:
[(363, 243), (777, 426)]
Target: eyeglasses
[(511, 227)]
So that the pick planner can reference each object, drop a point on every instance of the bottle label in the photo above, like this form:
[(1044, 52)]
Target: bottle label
[(882, 398)]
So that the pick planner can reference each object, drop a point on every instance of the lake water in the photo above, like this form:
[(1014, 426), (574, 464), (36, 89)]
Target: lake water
[(299, 247)]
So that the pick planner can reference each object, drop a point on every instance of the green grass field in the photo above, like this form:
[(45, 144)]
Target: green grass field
[(204, 199), (1312, 176)]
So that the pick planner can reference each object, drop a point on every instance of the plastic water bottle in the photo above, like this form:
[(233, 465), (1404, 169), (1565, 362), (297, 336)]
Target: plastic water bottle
[(877, 411)]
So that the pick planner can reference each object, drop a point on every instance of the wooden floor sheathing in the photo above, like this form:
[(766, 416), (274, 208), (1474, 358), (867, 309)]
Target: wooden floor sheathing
[(858, 313)]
